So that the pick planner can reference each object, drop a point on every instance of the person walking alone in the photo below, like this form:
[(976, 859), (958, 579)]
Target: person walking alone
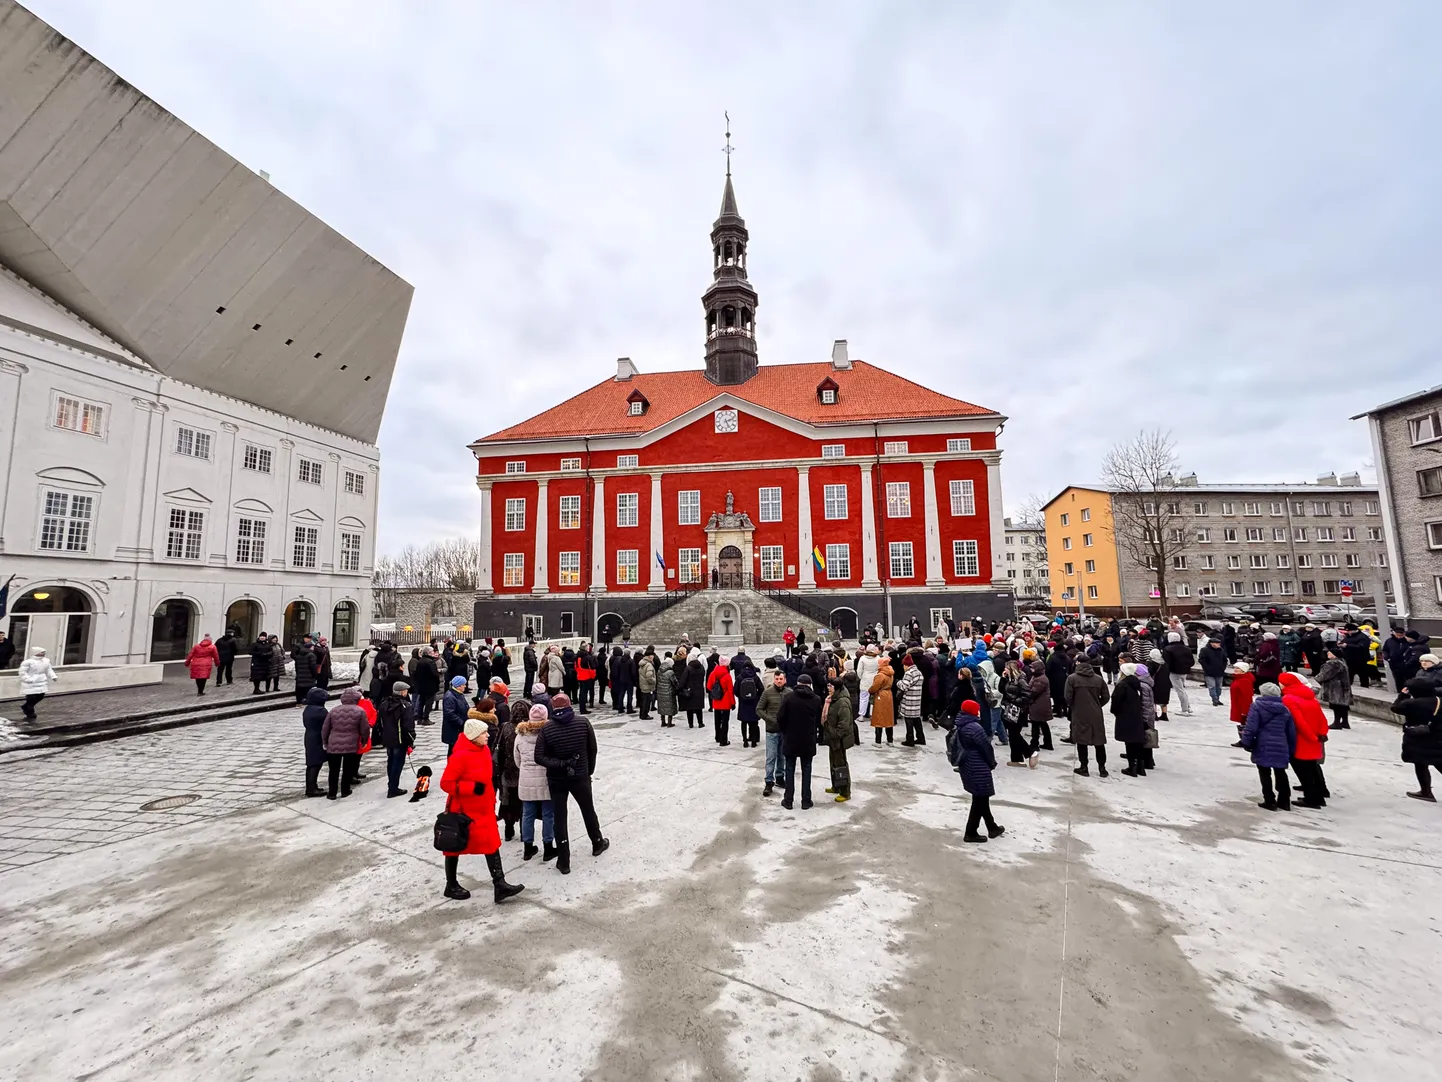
[(566, 747), (1214, 668), (313, 718), (975, 760), (260, 663), (1421, 712), (202, 658), (225, 649), (467, 783)]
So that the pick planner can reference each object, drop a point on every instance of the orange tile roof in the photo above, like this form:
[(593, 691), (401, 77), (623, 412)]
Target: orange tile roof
[(867, 393)]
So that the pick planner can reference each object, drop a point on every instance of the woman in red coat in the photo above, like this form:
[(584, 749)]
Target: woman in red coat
[(1301, 702), (467, 783), (202, 658), (1243, 687), (723, 698)]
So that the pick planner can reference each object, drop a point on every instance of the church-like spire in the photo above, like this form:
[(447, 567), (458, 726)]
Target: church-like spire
[(730, 302)]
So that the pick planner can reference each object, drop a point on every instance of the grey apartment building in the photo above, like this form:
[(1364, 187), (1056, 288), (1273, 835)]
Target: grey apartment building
[(1407, 445), (1026, 567)]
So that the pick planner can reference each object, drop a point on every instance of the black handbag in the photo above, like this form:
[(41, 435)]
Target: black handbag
[(453, 831)]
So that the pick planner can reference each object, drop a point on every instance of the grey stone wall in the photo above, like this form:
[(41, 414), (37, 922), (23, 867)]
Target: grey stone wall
[(1421, 565)]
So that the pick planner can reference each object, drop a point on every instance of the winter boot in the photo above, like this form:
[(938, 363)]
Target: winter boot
[(995, 832), (504, 890), (549, 853), (973, 838), (563, 858), (510, 832), (768, 790), (1083, 771), (530, 851), (599, 846), (312, 782), (454, 888)]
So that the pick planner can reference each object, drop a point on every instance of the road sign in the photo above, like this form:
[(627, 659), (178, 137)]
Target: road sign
[(1346, 588)]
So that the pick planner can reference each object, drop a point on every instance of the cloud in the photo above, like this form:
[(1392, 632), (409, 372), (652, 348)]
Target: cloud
[(1216, 219)]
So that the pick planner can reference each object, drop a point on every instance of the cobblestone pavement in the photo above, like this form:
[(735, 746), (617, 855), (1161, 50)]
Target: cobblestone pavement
[(175, 690)]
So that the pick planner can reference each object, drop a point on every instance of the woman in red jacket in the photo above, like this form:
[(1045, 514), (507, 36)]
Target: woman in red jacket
[(202, 658), (467, 783), (1243, 686), (1311, 723), (722, 697)]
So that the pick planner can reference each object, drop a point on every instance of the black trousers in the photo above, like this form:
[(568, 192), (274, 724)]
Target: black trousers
[(1137, 755), (878, 733), (530, 679), (1020, 749), (1282, 798), (395, 763), (1058, 704), (722, 720), (980, 810), (1341, 715), (696, 716), (568, 683), (351, 764), (1311, 780), (1424, 779), (29, 708), (257, 684), (200, 684), (805, 779), (273, 684), (424, 708), (751, 733), (643, 703), (580, 788), (1041, 736), (1081, 754), (225, 673)]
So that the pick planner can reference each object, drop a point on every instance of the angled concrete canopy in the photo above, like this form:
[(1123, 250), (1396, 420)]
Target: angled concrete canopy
[(132, 220)]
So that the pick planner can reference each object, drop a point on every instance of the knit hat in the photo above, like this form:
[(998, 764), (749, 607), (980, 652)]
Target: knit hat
[(458, 681), (539, 713), (561, 701), (804, 680), (1270, 689), (723, 660), (873, 650), (1241, 666), (970, 707), (1269, 637), (538, 688), (1428, 660), (1128, 669), (1154, 655), (476, 731), (1174, 636)]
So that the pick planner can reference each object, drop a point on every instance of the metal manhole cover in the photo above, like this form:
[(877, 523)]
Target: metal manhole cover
[(167, 803)]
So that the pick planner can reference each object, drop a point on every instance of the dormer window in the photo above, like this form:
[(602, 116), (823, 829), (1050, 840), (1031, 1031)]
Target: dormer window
[(827, 390), (637, 408), (636, 404)]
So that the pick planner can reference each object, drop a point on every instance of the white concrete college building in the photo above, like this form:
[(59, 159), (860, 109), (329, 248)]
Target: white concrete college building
[(193, 370)]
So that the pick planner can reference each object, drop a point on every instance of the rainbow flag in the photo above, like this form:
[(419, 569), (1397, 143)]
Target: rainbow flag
[(818, 559)]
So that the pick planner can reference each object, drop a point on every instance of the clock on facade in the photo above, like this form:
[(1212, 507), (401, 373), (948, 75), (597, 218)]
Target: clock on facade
[(725, 420)]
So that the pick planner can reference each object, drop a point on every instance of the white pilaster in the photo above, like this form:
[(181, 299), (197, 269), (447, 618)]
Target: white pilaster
[(933, 524), (805, 566), (483, 572), (542, 581), (658, 537), (997, 523), (598, 537), (869, 577), (11, 373)]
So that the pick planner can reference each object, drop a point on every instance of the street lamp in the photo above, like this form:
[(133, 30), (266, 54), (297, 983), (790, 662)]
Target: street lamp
[(1081, 608)]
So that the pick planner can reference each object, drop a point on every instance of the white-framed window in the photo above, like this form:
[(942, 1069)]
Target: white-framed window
[(628, 508), (1149, 507), (1176, 535), (1228, 507), (898, 499), (513, 569), (309, 471), (1261, 589), (1321, 507), (1425, 428), (256, 458), (77, 415), (689, 565), (1086, 514), (1069, 568), (1434, 535), (1091, 593), (1381, 560), (1086, 540), (828, 397), (1299, 533), (895, 447), (1204, 536), (1066, 543), (355, 483), (1199, 507), (1091, 566), (1374, 533), (768, 505), (518, 466), (1179, 563), (833, 499), (1238, 589), (838, 562), (1184, 589), (1230, 534), (1344, 507), (963, 498), (1324, 533), (627, 567), (1234, 563), (1258, 559), (953, 446), (773, 563), (570, 512), (1299, 507), (902, 566), (192, 442), (1349, 533), (183, 538), (1284, 561), (964, 562), (1304, 560), (1150, 563), (1354, 559), (1254, 533), (833, 450), (627, 462), (688, 507), (250, 541), (65, 521), (1331, 586), (1251, 508), (1278, 507), (1327, 559), (569, 569), (515, 514), (635, 409), (938, 615), (1286, 587), (1209, 563), (1437, 585), (1065, 519), (350, 551), (570, 465), (1207, 589), (1373, 508), (1279, 533), (304, 543)]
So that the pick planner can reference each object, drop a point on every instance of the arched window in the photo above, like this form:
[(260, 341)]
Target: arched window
[(746, 320), (710, 324), (728, 318), (740, 254), (717, 250), (730, 253)]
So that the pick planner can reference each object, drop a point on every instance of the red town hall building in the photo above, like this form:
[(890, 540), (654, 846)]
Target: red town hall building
[(843, 491)]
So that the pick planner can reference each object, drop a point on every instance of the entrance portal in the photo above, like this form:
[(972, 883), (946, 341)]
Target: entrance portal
[(298, 619), (242, 620), (170, 631), (730, 569)]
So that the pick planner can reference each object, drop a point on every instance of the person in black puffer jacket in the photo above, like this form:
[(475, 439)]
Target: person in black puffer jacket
[(313, 718), (566, 747), (799, 721), (260, 662)]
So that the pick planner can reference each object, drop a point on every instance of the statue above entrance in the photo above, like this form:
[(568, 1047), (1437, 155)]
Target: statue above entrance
[(730, 503)]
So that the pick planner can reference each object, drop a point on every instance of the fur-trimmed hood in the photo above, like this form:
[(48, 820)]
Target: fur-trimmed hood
[(526, 728)]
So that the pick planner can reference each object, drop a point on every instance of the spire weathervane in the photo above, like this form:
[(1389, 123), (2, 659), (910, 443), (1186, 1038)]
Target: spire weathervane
[(728, 147)]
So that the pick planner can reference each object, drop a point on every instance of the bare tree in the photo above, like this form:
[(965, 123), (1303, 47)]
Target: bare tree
[(1150, 524), (451, 565)]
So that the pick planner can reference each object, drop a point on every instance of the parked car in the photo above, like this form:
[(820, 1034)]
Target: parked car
[(1345, 610), (1269, 613), (1315, 613), (1195, 629), (1223, 612), (1038, 619)]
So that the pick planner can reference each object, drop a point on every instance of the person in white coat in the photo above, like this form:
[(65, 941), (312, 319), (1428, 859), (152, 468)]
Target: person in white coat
[(36, 673), (868, 663), (534, 790)]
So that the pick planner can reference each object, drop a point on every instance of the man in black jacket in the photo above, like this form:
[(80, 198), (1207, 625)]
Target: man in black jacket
[(1356, 652), (396, 732), (566, 747), (1214, 667), (799, 720), (225, 648)]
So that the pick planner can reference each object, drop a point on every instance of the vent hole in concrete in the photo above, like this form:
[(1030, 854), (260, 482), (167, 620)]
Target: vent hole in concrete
[(169, 803)]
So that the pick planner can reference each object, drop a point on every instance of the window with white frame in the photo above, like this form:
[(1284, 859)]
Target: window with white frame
[(256, 458), (1176, 535), (1286, 587), (1086, 540), (1349, 533), (628, 508), (187, 529), (828, 397), (1381, 560), (1437, 584), (768, 505), (1373, 507), (65, 521), (1279, 533), (1254, 533), (895, 447), (304, 545), (1150, 563), (1091, 593), (1184, 589), (569, 569), (1204, 536), (1304, 560), (1299, 533), (898, 499), (1208, 589), (1179, 563), (627, 567), (1354, 559), (1429, 481), (833, 499), (773, 563), (1327, 559), (1344, 507), (1321, 507), (515, 515), (1434, 535), (838, 562), (689, 565), (1228, 507), (76, 415), (1066, 542), (963, 498), (955, 445), (1234, 563), (1324, 533), (1258, 560), (1425, 428), (1251, 508), (964, 560), (192, 442), (355, 483), (627, 462), (1278, 507), (570, 465), (1284, 561), (1086, 514), (901, 562), (688, 507), (570, 512), (1065, 519), (350, 551), (1299, 507), (1208, 562), (250, 541), (308, 471), (1229, 534), (1199, 507), (513, 569), (1238, 589), (636, 409), (1261, 589), (833, 450), (516, 466), (1331, 586), (1091, 566), (1149, 508)]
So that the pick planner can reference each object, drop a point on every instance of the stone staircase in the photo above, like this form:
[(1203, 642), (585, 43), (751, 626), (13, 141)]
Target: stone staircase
[(763, 620)]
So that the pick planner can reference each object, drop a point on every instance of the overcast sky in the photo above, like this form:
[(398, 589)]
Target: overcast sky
[(1217, 218)]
